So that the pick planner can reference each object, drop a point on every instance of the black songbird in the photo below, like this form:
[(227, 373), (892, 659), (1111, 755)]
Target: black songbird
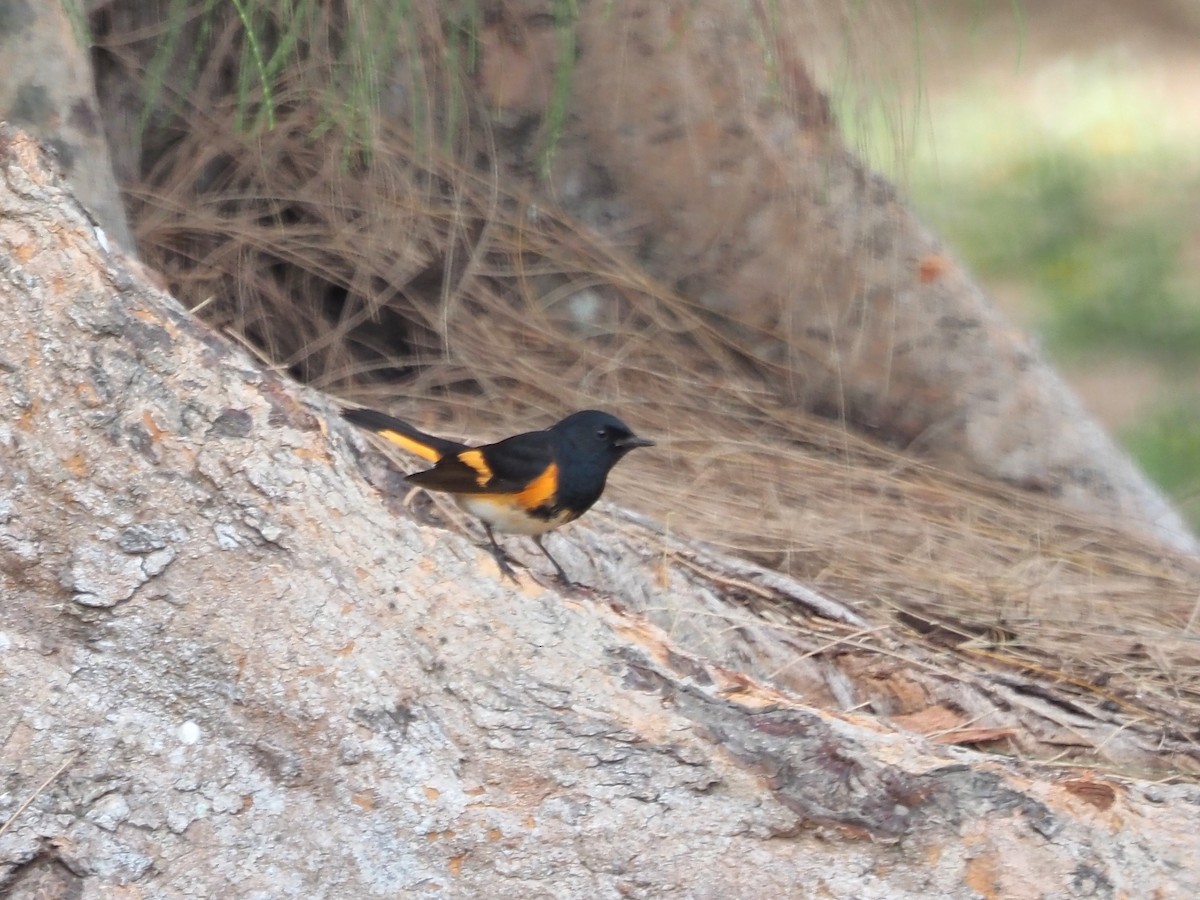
[(527, 484)]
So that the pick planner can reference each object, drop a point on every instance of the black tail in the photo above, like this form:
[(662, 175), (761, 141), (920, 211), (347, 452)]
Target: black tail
[(402, 434)]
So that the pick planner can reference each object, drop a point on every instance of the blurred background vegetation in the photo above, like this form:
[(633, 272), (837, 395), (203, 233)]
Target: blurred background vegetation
[(1052, 143), (1056, 148)]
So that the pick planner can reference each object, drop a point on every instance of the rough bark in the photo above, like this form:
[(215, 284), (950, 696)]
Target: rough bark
[(229, 670)]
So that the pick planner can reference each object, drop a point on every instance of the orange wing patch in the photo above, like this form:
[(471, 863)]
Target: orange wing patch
[(475, 460), (412, 446), (541, 490)]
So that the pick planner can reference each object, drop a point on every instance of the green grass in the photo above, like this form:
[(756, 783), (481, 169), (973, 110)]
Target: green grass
[(1078, 195), (1099, 258), (1167, 444)]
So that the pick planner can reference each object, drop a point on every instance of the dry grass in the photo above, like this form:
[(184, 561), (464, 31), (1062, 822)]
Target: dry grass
[(401, 278)]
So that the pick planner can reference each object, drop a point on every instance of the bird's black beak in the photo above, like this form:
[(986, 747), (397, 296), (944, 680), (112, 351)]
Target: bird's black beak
[(629, 443)]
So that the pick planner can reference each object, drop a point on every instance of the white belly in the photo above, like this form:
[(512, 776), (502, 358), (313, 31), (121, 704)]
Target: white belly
[(503, 517)]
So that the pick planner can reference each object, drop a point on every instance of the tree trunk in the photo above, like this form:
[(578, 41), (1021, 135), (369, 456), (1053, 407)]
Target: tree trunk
[(697, 130), (229, 671), (47, 87)]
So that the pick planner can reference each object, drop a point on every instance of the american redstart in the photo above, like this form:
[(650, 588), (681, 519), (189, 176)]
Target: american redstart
[(527, 484)]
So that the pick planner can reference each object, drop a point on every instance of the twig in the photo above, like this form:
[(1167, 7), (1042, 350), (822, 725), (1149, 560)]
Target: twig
[(37, 792)]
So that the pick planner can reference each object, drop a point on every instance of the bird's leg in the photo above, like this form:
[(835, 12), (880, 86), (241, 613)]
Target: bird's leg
[(498, 554), (562, 575)]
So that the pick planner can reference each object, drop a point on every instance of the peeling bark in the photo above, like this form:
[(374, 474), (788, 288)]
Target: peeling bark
[(253, 679)]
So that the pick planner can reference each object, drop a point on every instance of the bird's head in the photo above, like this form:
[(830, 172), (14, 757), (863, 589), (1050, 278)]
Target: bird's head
[(599, 434)]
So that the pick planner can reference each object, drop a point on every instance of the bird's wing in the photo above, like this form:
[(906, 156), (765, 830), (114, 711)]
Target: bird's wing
[(522, 465)]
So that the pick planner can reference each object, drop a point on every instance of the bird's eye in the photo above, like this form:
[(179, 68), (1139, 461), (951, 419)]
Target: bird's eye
[(602, 434)]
